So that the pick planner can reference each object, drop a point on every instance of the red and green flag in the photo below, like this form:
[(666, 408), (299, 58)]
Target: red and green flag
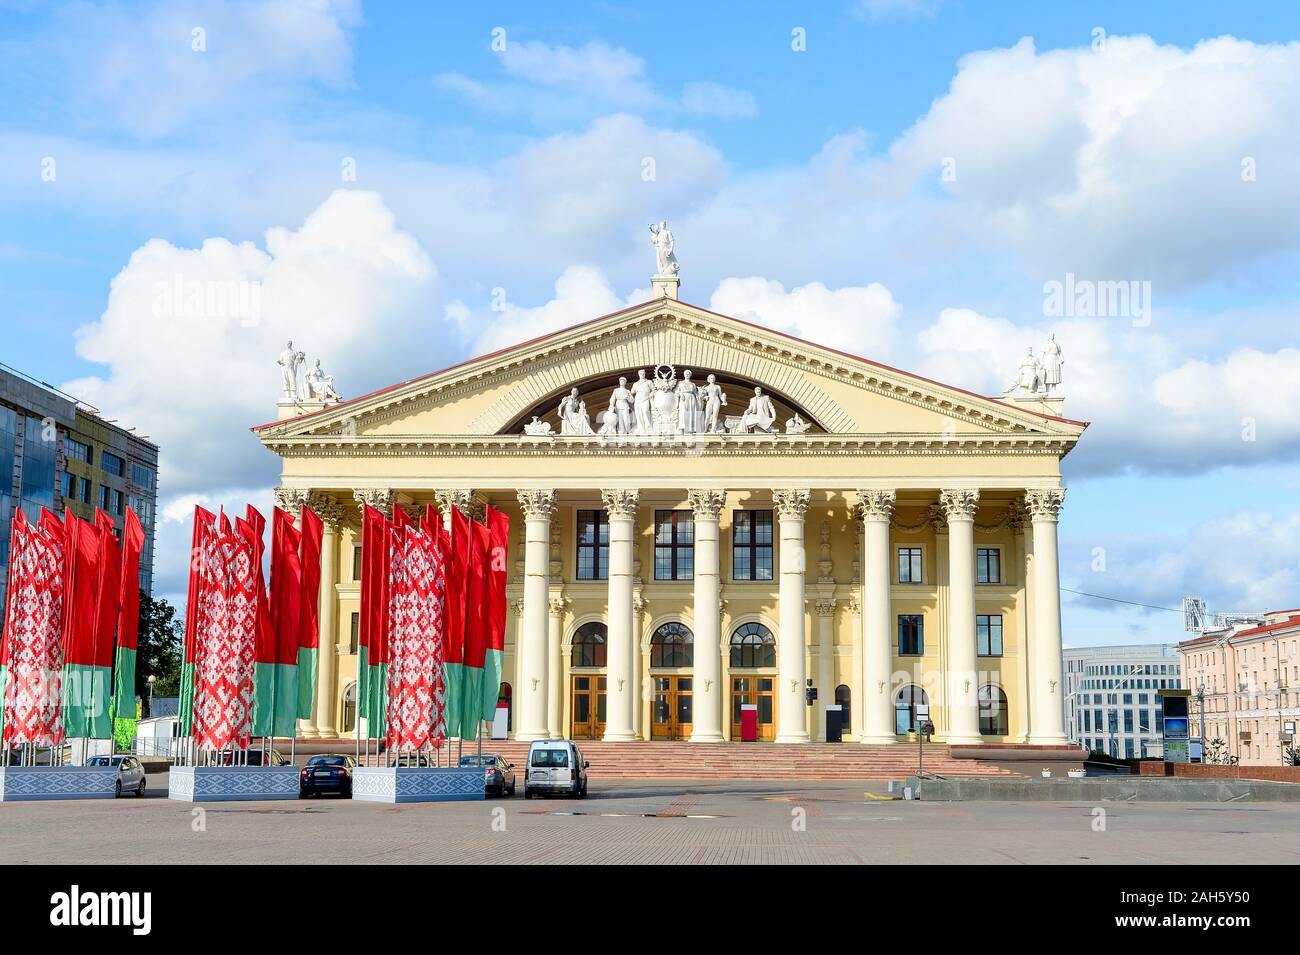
[(95, 572), (460, 537), (313, 531), (470, 709), (128, 619), (372, 674), (202, 528), (498, 527), (275, 677)]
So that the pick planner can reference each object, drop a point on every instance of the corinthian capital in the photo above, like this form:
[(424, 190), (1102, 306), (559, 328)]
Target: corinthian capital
[(619, 502), (537, 504), (1044, 504), (876, 504), (330, 511), (959, 504), (458, 497), (707, 503), (791, 502), (380, 498), (290, 499)]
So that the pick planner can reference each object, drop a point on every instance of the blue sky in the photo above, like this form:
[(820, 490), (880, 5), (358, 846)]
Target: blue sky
[(806, 189)]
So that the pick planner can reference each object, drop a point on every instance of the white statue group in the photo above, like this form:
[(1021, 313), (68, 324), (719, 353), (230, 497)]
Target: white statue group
[(665, 406), (317, 386), (1038, 377)]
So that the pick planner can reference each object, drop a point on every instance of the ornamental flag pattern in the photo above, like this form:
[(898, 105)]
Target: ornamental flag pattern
[(33, 650), (223, 679), (416, 712)]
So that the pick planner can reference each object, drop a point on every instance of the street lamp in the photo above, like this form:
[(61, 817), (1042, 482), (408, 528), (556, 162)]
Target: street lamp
[(151, 680)]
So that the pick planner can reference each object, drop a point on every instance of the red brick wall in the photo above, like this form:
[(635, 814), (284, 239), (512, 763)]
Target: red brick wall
[(1280, 774)]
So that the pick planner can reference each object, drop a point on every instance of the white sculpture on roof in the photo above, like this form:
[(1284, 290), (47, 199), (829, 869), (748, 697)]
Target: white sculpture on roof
[(320, 386), (662, 240), (289, 361), (1038, 378)]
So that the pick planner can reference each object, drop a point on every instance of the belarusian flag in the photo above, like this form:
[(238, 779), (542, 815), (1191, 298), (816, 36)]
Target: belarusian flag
[(459, 549), (275, 678), (128, 620), (203, 521), (85, 675), (309, 629), (498, 525), (372, 677), (476, 630)]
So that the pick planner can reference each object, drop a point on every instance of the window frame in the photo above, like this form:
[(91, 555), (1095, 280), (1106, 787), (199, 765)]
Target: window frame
[(752, 548), (598, 547), (1000, 714), (919, 620), (986, 649), (918, 557), (681, 652), (105, 456), (675, 520), (766, 642), (580, 642), (992, 557)]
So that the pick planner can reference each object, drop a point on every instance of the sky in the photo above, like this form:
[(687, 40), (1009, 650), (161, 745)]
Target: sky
[(405, 185)]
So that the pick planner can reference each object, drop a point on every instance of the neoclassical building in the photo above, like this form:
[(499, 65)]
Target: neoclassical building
[(837, 524)]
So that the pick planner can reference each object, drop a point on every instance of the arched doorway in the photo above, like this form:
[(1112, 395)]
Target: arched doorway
[(844, 697), (672, 709), (587, 682), (905, 703), (349, 708), (993, 711), (504, 696), (753, 658)]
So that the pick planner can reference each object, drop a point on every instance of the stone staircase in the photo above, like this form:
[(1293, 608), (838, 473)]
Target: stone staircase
[(821, 761)]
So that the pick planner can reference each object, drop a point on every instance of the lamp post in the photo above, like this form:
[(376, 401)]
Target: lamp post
[(150, 680), (1200, 702)]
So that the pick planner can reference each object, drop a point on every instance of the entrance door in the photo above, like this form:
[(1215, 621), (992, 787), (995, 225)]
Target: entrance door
[(588, 707), (758, 691), (672, 712)]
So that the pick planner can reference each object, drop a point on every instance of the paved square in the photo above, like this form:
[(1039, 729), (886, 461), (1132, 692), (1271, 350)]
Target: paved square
[(651, 822)]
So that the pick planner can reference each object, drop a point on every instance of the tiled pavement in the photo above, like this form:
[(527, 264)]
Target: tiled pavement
[(650, 822)]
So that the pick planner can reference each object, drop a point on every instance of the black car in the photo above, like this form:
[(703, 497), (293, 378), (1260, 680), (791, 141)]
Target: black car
[(251, 757), (498, 775), (329, 773)]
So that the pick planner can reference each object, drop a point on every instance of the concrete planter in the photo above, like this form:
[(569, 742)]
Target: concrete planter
[(29, 783), (417, 784), (232, 783)]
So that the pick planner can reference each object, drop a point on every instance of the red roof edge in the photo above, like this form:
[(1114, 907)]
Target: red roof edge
[(601, 318)]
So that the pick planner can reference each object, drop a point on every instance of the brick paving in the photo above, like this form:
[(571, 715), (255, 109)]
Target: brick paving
[(738, 822)]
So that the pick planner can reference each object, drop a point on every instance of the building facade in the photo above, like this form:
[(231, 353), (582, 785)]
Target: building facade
[(57, 453), (708, 516), (1112, 701), (1245, 689)]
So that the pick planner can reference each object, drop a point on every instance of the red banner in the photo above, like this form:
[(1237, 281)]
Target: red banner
[(128, 620), (81, 583), (286, 588), (108, 590), (416, 694), (225, 644), (309, 564), (498, 525)]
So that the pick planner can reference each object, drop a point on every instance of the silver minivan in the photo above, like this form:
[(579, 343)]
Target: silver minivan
[(555, 766)]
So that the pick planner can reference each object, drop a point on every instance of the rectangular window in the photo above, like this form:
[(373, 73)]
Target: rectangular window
[(84, 496), (1128, 721), (77, 450), (115, 502), (1087, 721), (103, 497), (1144, 721), (112, 464), (988, 565), (141, 476), (67, 484), (593, 545), (988, 634), (751, 545), (911, 635), (354, 637), (909, 565), (356, 562), (674, 545)]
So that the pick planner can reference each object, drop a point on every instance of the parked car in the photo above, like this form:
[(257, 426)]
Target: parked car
[(254, 757), (498, 775), (130, 772), (555, 766), (414, 761), (327, 773)]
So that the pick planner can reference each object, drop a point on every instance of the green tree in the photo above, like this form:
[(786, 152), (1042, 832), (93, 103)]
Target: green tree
[(159, 650)]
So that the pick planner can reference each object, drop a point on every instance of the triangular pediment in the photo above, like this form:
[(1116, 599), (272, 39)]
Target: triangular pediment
[(838, 394)]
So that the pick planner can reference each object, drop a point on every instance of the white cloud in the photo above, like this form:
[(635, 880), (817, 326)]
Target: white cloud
[(190, 336), (703, 98), (1125, 162), (860, 319), (895, 9), (581, 294), (172, 532), (141, 68)]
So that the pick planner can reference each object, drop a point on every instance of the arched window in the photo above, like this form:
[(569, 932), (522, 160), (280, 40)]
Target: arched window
[(672, 646), (752, 645), (503, 699), (589, 645), (349, 708), (993, 711), (905, 701), (844, 697)]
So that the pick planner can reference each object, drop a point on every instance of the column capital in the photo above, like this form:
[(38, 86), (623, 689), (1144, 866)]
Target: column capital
[(826, 607), (330, 511), (537, 504), (291, 499), (876, 504), (620, 502), (959, 503), (558, 603), (707, 503), (380, 498), (791, 502), (1044, 504), (449, 497)]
